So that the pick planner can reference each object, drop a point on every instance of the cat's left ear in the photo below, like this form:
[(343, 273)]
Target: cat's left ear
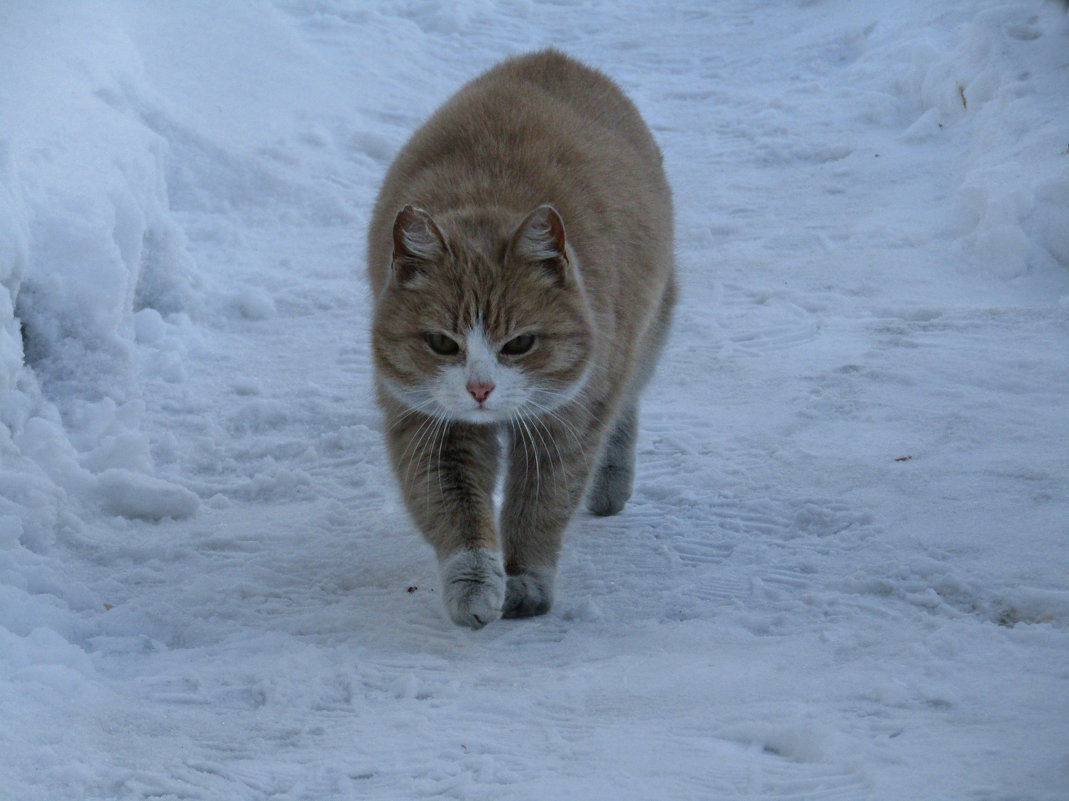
[(540, 240)]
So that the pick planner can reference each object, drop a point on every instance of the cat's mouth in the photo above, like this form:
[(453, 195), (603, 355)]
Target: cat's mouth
[(483, 414)]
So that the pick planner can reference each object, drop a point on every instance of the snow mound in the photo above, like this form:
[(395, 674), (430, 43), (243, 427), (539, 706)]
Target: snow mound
[(91, 257), (1001, 84), (138, 496)]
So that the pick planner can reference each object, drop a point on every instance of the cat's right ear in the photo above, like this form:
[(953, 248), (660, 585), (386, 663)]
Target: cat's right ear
[(417, 244)]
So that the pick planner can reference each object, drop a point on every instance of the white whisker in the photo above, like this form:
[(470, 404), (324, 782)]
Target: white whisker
[(567, 425), (441, 444), (534, 451), (517, 432), (407, 456), (440, 425)]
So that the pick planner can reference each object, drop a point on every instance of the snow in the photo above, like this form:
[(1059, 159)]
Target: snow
[(845, 570)]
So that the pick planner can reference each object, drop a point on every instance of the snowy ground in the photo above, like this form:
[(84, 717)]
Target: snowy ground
[(845, 572)]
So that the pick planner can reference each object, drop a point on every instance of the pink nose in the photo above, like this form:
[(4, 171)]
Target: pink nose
[(480, 391)]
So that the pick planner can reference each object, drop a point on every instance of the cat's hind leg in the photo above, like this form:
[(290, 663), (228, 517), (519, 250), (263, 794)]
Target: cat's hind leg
[(614, 479)]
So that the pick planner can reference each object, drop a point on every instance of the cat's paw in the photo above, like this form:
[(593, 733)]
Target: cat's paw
[(473, 587), (611, 490), (529, 593)]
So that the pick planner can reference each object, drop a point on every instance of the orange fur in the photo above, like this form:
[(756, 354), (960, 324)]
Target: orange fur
[(522, 240)]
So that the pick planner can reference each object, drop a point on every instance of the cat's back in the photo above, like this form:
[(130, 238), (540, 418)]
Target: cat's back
[(532, 110), (534, 129), (586, 100)]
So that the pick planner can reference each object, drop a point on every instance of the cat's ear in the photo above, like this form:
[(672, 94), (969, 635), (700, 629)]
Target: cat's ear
[(417, 244), (540, 240)]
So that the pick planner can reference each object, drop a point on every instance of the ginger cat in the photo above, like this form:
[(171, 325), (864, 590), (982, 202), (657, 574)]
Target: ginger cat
[(520, 254)]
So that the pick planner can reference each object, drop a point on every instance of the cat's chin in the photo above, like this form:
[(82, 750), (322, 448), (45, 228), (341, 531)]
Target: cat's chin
[(482, 416)]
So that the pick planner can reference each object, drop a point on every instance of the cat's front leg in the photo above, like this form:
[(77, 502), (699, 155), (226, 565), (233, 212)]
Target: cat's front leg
[(447, 473), (550, 462)]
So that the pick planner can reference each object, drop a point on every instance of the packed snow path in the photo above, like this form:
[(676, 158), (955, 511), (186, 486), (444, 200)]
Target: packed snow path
[(845, 570)]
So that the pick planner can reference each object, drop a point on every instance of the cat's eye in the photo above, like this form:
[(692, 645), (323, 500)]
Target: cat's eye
[(519, 345), (442, 345)]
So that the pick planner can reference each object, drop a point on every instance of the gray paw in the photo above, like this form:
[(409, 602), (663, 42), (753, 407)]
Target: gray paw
[(473, 587), (529, 593), (611, 490)]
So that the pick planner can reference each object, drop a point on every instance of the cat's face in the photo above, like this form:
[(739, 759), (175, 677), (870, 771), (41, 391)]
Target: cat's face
[(480, 322)]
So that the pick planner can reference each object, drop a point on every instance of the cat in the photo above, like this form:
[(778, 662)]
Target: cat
[(521, 259)]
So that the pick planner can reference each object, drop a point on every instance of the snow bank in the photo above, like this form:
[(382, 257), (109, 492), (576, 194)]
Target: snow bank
[(86, 241), (1003, 84)]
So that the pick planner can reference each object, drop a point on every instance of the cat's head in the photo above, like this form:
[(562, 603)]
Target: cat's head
[(483, 317)]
